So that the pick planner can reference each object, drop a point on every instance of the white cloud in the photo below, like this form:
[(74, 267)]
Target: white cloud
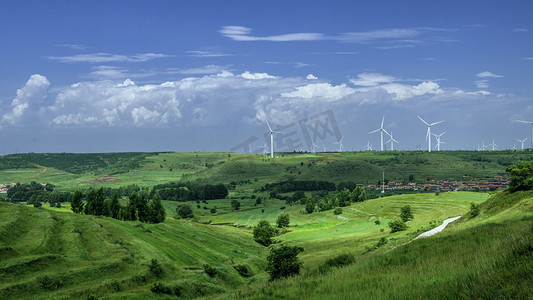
[(240, 33), (403, 91), (324, 91), (384, 34), (372, 79), (527, 58), (198, 53), (482, 84), (107, 57), (248, 75), (488, 74), (28, 98), (311, 77), (521, 30), (209, 69)]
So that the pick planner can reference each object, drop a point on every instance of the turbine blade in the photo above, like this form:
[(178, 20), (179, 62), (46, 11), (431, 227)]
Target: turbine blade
[(382, 120), (527, 122), (422, 120), (270, 128), (436, 123), (374, 131)]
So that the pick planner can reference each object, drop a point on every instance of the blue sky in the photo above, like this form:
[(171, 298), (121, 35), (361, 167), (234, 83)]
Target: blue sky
[(99, 76)]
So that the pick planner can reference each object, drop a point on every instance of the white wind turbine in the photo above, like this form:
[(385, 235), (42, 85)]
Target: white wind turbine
[(428, 135), (265, 148), (522, 141), (313, 147), (324, 148), (381, 129), (368, 147), (392, 141), (528, 122), (341, 147), (493, 145), (271, 133), (437, 137)]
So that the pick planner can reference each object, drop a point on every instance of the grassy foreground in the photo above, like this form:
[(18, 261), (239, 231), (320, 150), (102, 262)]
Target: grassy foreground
[(489, 256)]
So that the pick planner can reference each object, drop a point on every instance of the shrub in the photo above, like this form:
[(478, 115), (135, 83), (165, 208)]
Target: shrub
[(377, 222), (406, 214), (474, 210), (243, 270), (211, 271), (340, 260), (160, 288), (156, 268), (213, 210), (235, 204), (283, 262), (337, 210), (397, 225), (49, 282), (263, 233), (283, 220), (184, 211)]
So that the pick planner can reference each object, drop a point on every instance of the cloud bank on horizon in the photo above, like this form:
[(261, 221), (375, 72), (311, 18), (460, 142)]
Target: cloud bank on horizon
[(223, 76)]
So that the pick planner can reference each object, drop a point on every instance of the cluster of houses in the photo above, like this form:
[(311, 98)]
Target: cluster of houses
[(4, 187), (432, 184)]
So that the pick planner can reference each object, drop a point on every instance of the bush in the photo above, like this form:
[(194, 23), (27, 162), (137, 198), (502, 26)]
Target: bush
[(340, 260), (49, 282), (406, 214), (235, 204), (211, 271), (243, 270), (184, 211), (263, 233), (160, 288), (337, 210), (397, 225), (283, 262), (213, 210), (283, 220), (156, 268), (377, 222), (474, 210)]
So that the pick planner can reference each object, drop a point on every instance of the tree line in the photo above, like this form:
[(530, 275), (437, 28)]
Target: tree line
[(299, 185)]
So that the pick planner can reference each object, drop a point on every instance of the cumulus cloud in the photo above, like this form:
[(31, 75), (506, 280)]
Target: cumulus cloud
[(248, 75), (311, 77), (28, 99), (323, 91), (240, 33)]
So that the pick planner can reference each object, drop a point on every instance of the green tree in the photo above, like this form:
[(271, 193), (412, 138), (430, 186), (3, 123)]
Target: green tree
[(310, 206), (141, 206), (235, 204), (114, 207), (520, 176), (263, 233), (405, 213), (184, 211), (156, 209), (77, 202), (343, 198), (397, 225), (283, 262), (283, 220), (130, 213)]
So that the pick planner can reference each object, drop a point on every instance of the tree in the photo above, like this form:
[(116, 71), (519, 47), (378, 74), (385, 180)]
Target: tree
[(406, 214), (114, 207), (156, 210), (263, 233), (283, 262), (310, 206), (520, 176), (283, 220), (235, 204), (77, 204), (141, 206), (184, 211), (397, 225)]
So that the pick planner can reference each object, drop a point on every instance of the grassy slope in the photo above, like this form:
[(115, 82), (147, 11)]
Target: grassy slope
[(154, 168), (490, 256), (89, 254)]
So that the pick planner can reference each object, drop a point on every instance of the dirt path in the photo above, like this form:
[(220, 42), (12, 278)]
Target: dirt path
[(438, 228), (42, 172)]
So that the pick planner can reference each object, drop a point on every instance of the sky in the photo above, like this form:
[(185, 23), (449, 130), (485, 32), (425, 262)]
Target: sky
[(121, 76)]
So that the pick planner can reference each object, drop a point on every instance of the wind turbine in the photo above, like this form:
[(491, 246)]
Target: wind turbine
[(324, 148), (494, 146), (381, 129), (483, 146), (437, 137), (341, 147), (522, 141), (368, 147), (265, 148), (528, 122), (428, 135), (313, 147), (271, 133), (392, 141)]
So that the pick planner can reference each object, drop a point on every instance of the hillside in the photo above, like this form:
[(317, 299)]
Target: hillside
[(68, 171), (489, 256)]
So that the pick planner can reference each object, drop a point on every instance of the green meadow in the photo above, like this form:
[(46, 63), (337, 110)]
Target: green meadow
[(52, 253)]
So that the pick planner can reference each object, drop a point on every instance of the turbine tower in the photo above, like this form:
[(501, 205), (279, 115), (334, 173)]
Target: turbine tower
[(522, 141), (437, 137), (493, 145), (341, 147), (368, 147), (428, 135), (392, 141), (271, 133), (381, 129), (528, 122)]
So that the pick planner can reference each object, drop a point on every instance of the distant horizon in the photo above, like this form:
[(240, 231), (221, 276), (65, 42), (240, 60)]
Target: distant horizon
[(207, 76)]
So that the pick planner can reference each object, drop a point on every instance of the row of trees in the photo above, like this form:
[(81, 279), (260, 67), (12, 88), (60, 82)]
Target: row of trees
[(341, 199), (299, 185), (189, 191), (137, 209)]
